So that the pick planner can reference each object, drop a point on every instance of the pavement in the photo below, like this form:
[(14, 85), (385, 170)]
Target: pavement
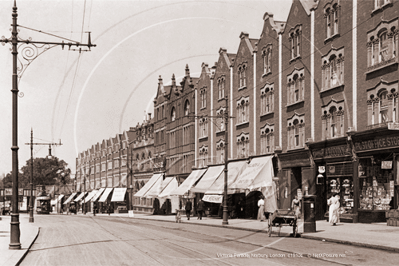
[(375, 235), (28, 235)]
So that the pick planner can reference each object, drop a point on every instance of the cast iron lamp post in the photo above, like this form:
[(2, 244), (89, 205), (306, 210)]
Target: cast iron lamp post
[(30, 51)]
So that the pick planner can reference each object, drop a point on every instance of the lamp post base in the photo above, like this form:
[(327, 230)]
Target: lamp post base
[(15, 232)]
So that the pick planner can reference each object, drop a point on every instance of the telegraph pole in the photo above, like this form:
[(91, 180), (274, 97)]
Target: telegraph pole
[(35, 50), (31, 203)]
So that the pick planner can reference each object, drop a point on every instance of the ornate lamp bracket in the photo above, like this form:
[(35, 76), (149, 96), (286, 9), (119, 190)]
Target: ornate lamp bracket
[(28, 52)]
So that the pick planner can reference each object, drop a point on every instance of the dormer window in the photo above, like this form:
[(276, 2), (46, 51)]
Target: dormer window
[(242, 75), (173, 114), (186, 108)]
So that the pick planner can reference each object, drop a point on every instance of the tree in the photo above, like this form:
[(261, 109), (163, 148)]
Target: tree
[(45, 172)]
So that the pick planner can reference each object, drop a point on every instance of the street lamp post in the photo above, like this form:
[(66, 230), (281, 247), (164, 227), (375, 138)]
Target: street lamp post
[(14, 40), (31, 219), (225, 209)]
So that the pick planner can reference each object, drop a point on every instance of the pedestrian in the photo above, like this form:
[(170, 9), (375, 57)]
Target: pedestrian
[(188, 208), (200, 209), (333, 214), (296, 206), (261, 210)]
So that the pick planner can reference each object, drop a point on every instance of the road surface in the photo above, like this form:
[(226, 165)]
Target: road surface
[(111, 240)]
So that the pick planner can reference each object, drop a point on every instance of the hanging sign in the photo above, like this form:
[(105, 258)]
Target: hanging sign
[(386, 164)]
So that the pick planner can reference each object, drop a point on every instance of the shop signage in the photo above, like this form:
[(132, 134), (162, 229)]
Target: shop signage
[(213, 198), (322, 169), (386, 164), (377, 143), (335, 151), (393, 126), (8, 191)]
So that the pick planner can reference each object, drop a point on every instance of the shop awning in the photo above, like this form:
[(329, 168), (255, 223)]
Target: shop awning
[(105, 195), (70, 198), (158, 187), (207, 180), (80, 196), (98, 194), (155, 189), (148, 185), (188, 183), (233, 170), (90, 196), (258, 176), (60, 197), (171, 186), (119, 194), (260, 168)]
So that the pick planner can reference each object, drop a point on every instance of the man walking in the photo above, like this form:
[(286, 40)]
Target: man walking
[(200, 209), (188, 208)]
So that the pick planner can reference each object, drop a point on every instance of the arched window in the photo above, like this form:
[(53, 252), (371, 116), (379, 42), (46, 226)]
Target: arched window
[(333, 123), (173, 114), (383, 117), (187, 108)]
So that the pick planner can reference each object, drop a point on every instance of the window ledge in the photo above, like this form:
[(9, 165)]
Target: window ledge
[(268, 113), (241, 88), (382, 65), (265, 74), (295, 149), (295, 58), (221, 99), (203, 138), (332, 37), (381, 8), (331, 88), (292, 104), (242, 124), (203, 108)]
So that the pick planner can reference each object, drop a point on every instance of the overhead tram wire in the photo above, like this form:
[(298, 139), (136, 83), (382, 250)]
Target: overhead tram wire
[(76, 71), (70, 93)]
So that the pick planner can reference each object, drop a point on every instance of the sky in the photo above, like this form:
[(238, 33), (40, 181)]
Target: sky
[(80, 98)]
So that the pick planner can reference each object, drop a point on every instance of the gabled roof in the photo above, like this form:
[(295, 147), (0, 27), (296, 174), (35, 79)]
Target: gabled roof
[(308, 5)]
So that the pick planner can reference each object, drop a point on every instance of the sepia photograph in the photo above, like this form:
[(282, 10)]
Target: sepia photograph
[(199, 132)]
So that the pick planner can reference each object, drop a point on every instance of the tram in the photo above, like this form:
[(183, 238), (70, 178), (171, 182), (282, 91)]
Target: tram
[(43, 205)]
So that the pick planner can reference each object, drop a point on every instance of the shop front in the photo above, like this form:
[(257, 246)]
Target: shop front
[(119, 200), (334, 175), (141, 203), (296, 176), (377, 173)]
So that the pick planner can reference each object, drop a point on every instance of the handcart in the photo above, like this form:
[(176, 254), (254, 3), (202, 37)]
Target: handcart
[(283, 217)]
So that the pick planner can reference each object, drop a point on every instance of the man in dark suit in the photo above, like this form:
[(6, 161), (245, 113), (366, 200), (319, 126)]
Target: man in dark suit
[(200, 209), (189, 207)]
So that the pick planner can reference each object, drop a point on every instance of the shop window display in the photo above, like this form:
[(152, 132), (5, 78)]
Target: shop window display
[(376, 184), (340, 181), (343, 186)]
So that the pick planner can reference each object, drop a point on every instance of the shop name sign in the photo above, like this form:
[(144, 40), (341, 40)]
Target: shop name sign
[(393, 126), (335, 151), (377, 143), (8, 191)]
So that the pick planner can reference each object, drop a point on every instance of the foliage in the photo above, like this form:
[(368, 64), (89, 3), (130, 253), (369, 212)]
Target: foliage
[(45, 172)]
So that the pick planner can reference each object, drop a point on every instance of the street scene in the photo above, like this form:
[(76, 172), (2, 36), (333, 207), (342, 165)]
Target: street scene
[(113, 240), (217, 132)]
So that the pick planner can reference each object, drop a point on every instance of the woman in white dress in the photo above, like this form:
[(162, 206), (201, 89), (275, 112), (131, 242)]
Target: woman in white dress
[(261, 211), (333, 202)]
